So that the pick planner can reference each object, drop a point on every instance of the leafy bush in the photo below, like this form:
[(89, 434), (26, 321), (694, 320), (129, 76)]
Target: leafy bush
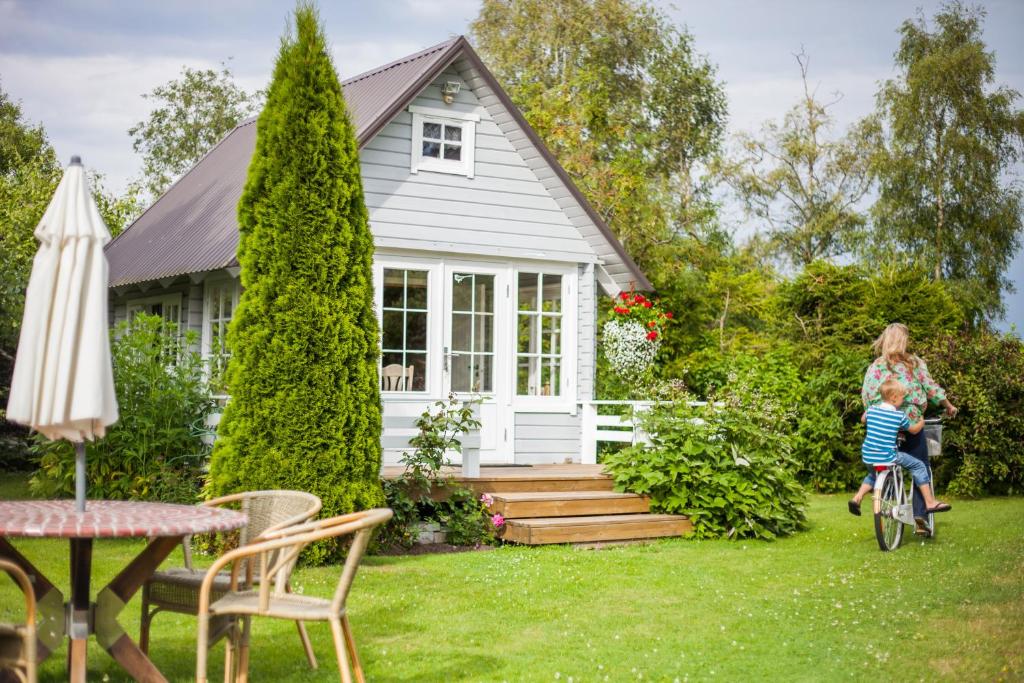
[(726, 464), (983, 447), (155, 450), (424, 493)]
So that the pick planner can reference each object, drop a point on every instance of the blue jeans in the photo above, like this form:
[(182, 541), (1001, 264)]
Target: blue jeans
[(918, 472)]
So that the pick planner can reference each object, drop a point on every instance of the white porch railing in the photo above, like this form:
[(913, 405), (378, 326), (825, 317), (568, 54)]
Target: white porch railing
[(622, 427)]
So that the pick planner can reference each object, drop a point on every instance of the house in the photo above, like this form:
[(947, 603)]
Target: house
[(488, 261)]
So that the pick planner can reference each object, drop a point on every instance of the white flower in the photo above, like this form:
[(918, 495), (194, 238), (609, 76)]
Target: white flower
[(628, 349)]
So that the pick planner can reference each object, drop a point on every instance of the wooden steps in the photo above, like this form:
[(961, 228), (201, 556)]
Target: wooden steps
[(542, 530), (571, 504), (523, 505)]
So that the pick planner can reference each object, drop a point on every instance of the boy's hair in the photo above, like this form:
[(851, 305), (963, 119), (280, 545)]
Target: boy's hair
[(891, 388)]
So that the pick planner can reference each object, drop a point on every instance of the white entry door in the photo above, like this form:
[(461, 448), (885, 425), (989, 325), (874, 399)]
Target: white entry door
[(477, 351)]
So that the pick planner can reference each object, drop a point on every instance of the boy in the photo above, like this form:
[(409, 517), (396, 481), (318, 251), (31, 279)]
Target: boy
[(884, 421)]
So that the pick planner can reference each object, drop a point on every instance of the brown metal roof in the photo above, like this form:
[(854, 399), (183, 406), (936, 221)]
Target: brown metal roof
[(193, 227)]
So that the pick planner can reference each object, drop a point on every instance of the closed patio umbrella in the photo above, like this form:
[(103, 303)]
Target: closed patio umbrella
[(63, 383)]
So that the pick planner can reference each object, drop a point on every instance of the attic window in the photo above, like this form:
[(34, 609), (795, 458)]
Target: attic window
[(442, 141)]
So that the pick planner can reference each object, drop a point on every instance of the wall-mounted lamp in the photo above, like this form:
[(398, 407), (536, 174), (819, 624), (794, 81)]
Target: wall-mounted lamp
[(449, 90)]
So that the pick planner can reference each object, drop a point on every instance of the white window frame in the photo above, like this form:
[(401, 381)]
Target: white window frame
[(464, 120), (432, 387), (208, 285), (378, 276), (134, 305), (565, 402)]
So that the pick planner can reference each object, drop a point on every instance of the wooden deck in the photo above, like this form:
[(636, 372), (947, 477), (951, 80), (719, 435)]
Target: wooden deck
[(569, 503)]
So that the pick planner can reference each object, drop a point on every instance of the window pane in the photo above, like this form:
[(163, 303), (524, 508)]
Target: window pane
[(526, 334), (485, 293), (550, 342), (462, 332), (483, 370), (523, 376), (432, 130), (415, 331), (226, 303), (527, 291), (392, 338), (453, 152), (483, 333), (462, 292), (394, 288), (550, 374), (453, 133), (432, 149), (392, 372), (418, 363), (552, 293), (461, 372), (416, 294)]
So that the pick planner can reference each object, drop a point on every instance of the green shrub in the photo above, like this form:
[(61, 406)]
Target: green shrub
[(983, 446), (155, 450), (305, 410), (424, 493), (726, 464)]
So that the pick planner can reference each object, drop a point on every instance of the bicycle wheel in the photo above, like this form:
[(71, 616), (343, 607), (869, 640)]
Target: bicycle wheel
[(888, 529)]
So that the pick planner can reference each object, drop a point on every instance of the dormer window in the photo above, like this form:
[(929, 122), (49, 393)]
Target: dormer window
[(442, 140)]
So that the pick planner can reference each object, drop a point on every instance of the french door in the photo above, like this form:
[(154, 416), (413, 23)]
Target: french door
[(475, 353)]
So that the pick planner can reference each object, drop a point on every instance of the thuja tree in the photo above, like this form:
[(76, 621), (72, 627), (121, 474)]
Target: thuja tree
[(305, 405)]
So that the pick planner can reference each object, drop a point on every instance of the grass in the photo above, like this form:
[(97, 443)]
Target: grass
[(823, 605)]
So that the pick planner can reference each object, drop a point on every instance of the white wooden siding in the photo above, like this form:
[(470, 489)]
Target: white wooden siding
[(546, 438), (586, 328), (556, 189), (505, 209)]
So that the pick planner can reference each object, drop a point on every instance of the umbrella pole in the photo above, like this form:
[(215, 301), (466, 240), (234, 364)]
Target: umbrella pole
[(80, 476)]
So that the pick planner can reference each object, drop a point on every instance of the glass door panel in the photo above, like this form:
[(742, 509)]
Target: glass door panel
[(472, 333)]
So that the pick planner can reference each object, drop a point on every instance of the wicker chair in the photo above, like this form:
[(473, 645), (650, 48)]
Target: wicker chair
[(177, 589), (18, 641), (272, 557)]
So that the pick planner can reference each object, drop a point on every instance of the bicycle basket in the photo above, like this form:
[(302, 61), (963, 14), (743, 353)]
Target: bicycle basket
[(933, 437)]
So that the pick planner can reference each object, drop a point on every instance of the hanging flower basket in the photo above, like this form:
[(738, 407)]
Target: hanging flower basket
[(633, 335)]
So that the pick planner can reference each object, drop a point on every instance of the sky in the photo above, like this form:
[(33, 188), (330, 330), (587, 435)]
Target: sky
[(80, 67)]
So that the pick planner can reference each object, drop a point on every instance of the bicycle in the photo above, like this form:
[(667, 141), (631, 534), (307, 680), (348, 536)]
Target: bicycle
[(893, 495)]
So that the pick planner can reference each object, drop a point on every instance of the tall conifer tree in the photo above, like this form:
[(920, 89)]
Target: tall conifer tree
[(305, 409)]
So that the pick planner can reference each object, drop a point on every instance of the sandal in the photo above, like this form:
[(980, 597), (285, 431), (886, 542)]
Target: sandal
[(921, 527), (940, 507), (854, 507)]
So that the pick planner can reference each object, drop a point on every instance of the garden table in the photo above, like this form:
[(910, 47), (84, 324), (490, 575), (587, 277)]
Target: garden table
[(164, 524)]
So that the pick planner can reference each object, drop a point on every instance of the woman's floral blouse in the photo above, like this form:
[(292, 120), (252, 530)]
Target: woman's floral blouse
[(921, 388)]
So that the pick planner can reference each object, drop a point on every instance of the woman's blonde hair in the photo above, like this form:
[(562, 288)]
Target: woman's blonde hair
[(892, 346)]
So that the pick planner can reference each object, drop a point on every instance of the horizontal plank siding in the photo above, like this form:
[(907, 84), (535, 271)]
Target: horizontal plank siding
[(546, 438), (504, 207)]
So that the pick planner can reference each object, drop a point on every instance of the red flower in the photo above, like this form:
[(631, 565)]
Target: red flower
[(652, 335), (639, 299), (652, 324), (669, 315), (624, 296), (647, 304)]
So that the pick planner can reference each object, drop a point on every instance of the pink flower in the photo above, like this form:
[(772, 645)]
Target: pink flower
[(486, 499), (497, 520)]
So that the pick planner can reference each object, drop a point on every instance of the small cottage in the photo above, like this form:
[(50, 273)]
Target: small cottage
[(488, 261)]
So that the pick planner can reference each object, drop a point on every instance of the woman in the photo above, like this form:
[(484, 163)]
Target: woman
[(894, 362)]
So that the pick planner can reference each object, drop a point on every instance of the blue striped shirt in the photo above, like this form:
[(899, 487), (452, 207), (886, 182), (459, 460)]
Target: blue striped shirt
[(884, 422)]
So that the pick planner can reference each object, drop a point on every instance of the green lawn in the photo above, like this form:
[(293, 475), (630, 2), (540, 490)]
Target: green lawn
[(824, 605)]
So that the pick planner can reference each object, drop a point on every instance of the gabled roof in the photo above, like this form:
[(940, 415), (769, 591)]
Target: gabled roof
[(193, 227)]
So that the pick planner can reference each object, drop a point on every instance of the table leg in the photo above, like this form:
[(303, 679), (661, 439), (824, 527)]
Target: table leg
[(78, 610), (112, 600), (49, 603)]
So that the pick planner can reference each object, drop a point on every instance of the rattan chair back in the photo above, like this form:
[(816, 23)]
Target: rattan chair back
[(18, 641)]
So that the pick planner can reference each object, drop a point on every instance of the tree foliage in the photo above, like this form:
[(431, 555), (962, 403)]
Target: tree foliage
[(305, 409), (626, 104), (192, 114), (802, 185), (947, 198)]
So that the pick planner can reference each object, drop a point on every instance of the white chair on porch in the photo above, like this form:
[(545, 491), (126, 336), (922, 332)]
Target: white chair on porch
[(397, 378)]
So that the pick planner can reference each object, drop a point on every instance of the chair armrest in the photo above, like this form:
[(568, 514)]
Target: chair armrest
[(21, 578)]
